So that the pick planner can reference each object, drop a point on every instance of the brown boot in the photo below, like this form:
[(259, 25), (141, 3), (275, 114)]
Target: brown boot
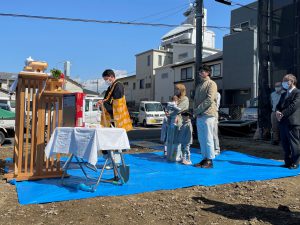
[(207, 164)]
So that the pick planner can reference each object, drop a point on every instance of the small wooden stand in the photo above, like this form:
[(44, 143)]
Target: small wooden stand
[(38, 113), (53, 84)]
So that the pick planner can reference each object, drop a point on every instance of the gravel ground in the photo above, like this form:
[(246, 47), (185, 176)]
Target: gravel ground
[(264, 202)]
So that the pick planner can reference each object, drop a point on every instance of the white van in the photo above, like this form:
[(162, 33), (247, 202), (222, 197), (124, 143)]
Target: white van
[(151, 113), (92, 113)]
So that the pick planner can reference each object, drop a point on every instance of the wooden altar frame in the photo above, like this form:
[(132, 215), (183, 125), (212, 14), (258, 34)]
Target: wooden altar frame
[(38, 113)]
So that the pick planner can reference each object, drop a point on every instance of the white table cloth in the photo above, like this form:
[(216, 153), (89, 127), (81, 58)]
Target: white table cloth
[(86, 142)]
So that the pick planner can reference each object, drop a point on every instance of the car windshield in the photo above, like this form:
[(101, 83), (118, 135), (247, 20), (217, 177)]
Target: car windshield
[(152, 107), (5, 107)]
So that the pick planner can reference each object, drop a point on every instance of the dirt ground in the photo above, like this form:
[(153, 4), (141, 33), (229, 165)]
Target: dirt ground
[(265, 202)]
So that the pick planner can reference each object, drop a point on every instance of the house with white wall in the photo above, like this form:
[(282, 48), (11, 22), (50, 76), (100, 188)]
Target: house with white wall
[(146, 63), (130, 88), (157, 71)]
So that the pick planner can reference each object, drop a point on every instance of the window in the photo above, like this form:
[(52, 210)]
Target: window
[(142, 84), (148, 60), (186, 73), (87, 105), (95, 106), (159, 60), (216, 70), (148, 85), (125, 83), (133, 86), (164, 75), (245, 25), (183, 55), (152, 107)]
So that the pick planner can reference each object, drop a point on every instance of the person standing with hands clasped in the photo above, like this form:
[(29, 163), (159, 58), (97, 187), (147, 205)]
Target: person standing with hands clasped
[(288, 115), (205, 109)]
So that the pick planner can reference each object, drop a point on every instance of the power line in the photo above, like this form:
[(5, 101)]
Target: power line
[(87, 20), (171, 14), (98, 21), (246, 6), (159, 13)]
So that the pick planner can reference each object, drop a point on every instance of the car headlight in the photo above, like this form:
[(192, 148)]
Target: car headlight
[(149, 115)]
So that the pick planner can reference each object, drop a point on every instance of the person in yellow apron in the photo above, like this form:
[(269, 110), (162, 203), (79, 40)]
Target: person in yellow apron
[(114, 109), (114, 102)]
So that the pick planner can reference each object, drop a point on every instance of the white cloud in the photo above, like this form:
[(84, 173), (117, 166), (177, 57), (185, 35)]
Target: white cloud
[(91, 84)]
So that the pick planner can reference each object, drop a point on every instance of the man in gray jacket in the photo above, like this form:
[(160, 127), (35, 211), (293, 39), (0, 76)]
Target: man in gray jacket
[(205, 109)]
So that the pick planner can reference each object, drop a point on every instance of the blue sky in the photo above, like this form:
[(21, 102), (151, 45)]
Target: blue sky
[(92, 47)]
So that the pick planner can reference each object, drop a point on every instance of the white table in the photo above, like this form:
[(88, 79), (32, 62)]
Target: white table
[(87, 144)]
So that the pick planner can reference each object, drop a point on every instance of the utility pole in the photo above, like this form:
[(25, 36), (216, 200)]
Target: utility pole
[(199, 41), (96, 82), (264, 90)]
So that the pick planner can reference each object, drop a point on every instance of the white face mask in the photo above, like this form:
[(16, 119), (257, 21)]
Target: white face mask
[(108, 82), (285, 85), (177, 92), (277, 89)]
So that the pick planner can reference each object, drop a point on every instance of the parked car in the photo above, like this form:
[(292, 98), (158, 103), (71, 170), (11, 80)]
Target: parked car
[(134, 118), (7, 102), (222, 117), (92, 112), (5, 106), (151, 113), (7, 125), (164, 105)]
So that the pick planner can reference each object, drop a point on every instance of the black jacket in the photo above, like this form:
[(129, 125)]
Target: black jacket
[(290, 107)]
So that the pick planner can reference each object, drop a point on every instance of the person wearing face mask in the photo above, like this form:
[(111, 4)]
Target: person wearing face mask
[(114, 103), (114, 112), (275, 96), (205, 109), (288, 115)]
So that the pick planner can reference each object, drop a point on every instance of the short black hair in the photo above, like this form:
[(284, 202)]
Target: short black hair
[(108, 73), (205, 68)]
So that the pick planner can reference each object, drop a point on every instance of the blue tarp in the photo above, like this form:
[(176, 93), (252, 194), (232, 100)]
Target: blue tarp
[(151, 172)]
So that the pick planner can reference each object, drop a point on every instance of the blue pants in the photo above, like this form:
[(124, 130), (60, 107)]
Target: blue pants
[(205, 129)]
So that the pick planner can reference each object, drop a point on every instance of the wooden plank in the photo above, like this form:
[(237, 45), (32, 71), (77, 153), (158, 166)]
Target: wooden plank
[(17, 127), (21, 127), (28, 93), (41, 130), (55, 174), (33, 126), (56, 93), (33, 75)]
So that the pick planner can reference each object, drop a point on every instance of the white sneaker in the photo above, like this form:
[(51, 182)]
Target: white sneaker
[(217, 152), (109, 166), (186, 162)]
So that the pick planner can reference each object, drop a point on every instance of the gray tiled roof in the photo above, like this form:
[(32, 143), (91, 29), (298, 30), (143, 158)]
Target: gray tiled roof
[(8, 76)]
